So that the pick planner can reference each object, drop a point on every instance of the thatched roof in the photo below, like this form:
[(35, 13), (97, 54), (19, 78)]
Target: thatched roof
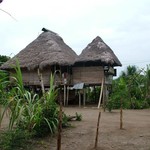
[(98, 53), (48, 49)]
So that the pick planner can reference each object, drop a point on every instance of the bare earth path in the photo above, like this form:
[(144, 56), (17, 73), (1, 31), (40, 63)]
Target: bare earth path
[(135, 136)]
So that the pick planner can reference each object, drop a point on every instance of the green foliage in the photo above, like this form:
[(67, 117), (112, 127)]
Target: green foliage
[(18, 81), (4, 82), (120, 91), (93, 94), (78, 117), (14, 140), (65, 120), (3, 59), (49, 111), (147, 84), (133, 87), (30, 112)]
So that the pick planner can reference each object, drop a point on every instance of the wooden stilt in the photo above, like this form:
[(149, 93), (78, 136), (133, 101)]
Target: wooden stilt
[(79, 99), (121, 115), (84, 96), (101, 93), (99, 116), (67, 95), (104, 97), (64, 94), (94, 94)]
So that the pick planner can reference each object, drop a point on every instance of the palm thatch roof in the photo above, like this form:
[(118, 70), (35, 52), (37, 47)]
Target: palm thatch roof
[(46, 50), (98, 53)]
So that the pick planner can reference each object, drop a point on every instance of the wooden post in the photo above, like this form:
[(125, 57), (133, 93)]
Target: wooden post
[(101, 93), (60, 122), (79, 99), (99, 116), (41, 81), (104, 97), (67, 95), (97, 129), (64, 94), (84, 96), (121, 115)]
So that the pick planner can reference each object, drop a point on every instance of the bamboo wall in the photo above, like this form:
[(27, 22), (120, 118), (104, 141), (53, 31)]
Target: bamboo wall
[(32, 78), (88, 75)]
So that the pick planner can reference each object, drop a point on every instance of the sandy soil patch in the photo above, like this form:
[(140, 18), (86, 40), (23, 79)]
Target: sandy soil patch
[(134, 136)]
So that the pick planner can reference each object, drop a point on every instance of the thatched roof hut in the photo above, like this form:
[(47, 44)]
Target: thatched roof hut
[(46, 50), (98, 53)]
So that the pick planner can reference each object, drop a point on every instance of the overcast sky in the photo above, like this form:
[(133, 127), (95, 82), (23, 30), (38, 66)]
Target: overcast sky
[(124, 25)]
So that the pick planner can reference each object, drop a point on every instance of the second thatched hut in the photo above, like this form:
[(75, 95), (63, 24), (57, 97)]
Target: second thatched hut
[(95, 66)]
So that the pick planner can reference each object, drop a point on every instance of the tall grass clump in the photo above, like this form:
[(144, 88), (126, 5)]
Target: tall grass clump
[(28, 112), (4, 82)]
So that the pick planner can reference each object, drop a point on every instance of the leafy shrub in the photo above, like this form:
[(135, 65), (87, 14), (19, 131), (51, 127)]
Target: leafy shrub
[(30, 112), (65, 122), (40, 114), (130, 89), (14, 140), (4, 81), (78, 117)]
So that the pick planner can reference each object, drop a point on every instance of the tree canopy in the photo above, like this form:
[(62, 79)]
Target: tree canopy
[(3, 59), (133, 87)]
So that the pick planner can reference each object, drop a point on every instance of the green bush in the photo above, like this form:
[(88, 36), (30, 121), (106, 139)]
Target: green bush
[(40, 114), (30, 112), (140, 104), (15, 140), (78, 117), (65, 122), (4, 82), (93, 95)]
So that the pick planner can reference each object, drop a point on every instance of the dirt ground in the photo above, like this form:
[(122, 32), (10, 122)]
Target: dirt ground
[(81, 136)]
